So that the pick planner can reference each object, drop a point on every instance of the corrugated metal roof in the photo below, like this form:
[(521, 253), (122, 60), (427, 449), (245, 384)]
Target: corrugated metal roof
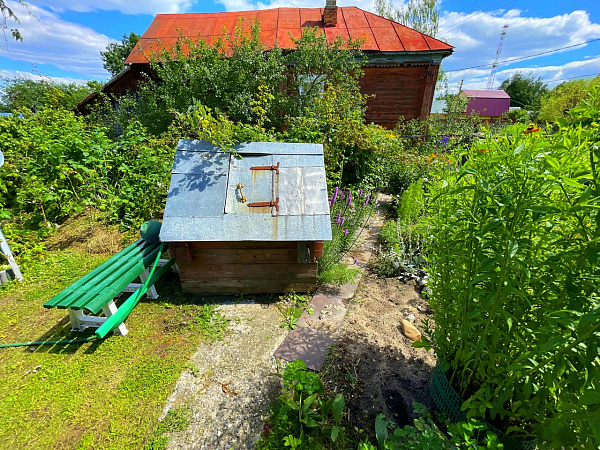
[(204, 202), (278, 24)]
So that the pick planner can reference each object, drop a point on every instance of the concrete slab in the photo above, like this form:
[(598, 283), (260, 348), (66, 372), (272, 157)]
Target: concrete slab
[(308, 344)]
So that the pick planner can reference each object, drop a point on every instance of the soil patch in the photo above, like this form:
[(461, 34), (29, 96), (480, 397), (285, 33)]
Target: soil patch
[(373, 363)]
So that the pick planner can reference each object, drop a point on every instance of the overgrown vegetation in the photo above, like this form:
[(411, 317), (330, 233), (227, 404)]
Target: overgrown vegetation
[(514, 263), (304, 416)]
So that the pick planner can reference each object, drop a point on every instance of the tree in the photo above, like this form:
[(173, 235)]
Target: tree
[(113, 58), (420, 15), (36, 94), (562, 98), (7, 13), (525, 90)]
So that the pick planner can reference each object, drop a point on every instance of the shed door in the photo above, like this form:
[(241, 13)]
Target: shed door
[(250, 185)]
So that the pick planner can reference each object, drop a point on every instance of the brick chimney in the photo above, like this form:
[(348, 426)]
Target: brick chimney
[(330, 13)]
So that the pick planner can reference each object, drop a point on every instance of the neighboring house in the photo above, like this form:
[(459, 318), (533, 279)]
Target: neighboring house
[(490, 105), (402, 64), (438, 108)]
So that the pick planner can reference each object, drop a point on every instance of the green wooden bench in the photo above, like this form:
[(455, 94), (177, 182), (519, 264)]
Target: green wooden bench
[(96, 291)]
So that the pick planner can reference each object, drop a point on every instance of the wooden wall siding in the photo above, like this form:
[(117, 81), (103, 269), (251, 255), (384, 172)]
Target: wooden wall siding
[(399, 91), (245, 267)]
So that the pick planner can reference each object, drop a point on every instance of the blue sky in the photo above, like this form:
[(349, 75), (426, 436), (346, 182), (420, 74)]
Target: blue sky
[(63, 38)]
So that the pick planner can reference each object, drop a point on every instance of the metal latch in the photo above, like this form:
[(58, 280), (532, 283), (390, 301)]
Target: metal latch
[(275, 168), (262, 204), (240, 186)]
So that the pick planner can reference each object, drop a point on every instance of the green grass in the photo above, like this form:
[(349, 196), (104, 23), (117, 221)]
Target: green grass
[(104, 394)]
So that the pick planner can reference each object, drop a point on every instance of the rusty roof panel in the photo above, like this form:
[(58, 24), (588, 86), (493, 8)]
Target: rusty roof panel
[(411, 40), (291, 20), (354, 18), (268, 20), (224, 23), (333, 32), (376, 21), (311, 17), (366, 35), (268, 37), (387, 39)]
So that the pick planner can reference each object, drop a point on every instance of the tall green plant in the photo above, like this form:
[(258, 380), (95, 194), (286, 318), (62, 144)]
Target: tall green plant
[(514, 263)]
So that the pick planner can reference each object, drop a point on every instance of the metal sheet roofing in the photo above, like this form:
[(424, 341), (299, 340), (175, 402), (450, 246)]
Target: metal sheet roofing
[(280, 24), (206, 203), (483, 93)]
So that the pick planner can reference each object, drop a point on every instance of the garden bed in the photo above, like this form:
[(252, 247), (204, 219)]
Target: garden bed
[(390, 375)]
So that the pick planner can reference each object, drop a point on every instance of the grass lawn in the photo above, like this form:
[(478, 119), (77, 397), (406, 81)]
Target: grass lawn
[(104, 394)]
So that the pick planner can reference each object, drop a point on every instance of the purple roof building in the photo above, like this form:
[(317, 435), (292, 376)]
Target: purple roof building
[(489, 104)]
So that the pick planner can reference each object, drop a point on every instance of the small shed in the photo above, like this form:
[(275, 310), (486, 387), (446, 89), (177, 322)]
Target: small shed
[(248, 221), (489, 104)]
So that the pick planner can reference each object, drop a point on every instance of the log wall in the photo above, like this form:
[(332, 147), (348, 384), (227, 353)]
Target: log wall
[(246, 267), (398, 91)]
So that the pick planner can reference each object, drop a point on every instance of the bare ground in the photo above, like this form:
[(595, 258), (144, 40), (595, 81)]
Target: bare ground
[(390, 375)]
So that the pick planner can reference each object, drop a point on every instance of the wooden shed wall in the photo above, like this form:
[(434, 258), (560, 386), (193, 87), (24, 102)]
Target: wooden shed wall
[(245, 267), (399, 91)]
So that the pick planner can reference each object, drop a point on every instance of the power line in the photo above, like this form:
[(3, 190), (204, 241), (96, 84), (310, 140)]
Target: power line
[(526, 57), (475, 4), (472, 19)]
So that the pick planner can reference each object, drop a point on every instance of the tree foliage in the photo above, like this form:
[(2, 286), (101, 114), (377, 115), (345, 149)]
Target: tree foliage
[(7, 14), (113, 58), (556, 103), (525, 90), (36, 94), (420, 15)]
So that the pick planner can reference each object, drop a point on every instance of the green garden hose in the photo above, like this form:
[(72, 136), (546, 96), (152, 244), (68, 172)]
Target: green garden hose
[(65, 342)]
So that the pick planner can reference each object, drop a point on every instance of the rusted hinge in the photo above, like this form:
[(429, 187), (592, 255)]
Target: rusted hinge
[(275, 168), (262, 204)]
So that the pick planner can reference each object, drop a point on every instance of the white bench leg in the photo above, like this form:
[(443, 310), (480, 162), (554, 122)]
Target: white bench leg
[(151, 292), (109, 310)]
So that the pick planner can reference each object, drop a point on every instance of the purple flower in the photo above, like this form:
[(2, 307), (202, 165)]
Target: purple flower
[(367, 200), (349, 200), (342, 222), (355, 260), (346, 232), (445, 141), (360, 192), (335, 193), (338, 217)]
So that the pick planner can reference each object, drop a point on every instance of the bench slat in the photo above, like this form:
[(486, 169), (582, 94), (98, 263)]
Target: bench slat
[(97, 272), (78, 294), (115, 285)]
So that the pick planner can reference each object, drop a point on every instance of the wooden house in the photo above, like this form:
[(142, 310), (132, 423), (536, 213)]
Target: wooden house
[(399, 78), (251, 221)]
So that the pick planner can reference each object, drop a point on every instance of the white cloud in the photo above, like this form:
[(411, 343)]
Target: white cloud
[(9, 74), (124, 6), (49, 40), (245, 5), (476, 37)]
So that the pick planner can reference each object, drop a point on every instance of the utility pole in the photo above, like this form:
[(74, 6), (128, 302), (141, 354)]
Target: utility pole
[(492, 78)]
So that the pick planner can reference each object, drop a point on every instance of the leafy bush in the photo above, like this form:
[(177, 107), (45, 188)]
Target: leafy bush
[(304, 416), (57, 166), (514, 265), (427, 434)]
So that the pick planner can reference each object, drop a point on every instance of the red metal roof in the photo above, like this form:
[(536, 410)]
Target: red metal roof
[(278, 24), (482, 93)]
